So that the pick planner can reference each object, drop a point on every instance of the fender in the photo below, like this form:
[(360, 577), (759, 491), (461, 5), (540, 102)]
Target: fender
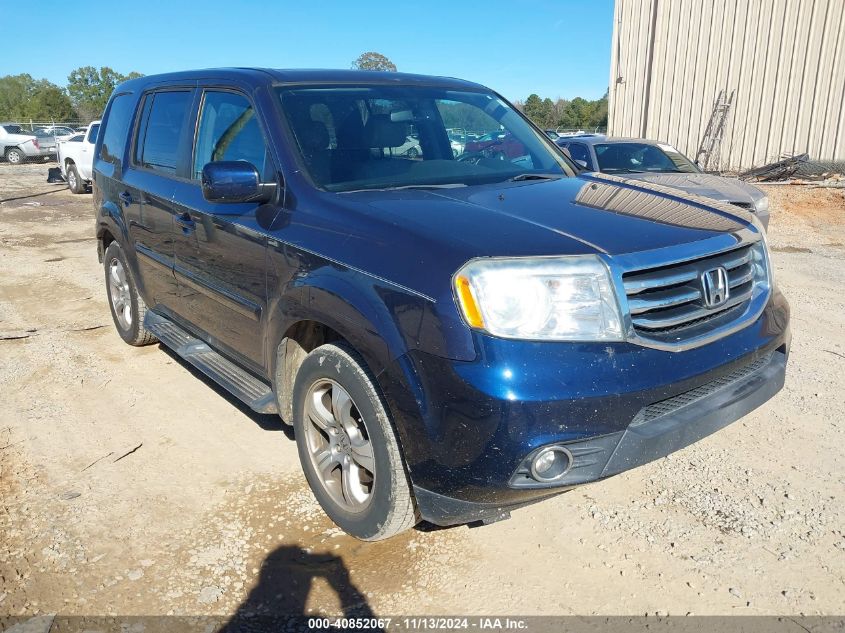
[(377, 318), (109, 218)]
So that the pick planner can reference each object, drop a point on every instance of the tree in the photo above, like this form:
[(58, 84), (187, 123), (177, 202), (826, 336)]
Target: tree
[(14, 94), (50, 103), (90, 89), (578, 113), (23, 98), (539, 110), (373, 61)]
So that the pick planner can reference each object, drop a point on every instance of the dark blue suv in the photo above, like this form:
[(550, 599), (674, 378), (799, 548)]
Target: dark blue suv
[(451, 333)]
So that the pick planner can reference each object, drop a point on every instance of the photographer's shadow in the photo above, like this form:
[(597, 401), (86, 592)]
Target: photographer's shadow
[(286, 580)]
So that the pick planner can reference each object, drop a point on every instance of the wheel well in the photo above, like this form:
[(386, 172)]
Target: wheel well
[(105, 239), (69, 161), (299, 340)]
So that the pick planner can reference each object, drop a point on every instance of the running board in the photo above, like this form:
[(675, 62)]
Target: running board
[(253, 392)]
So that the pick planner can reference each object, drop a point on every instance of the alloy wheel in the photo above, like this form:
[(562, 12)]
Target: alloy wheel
[(119, 293), (339, 446)]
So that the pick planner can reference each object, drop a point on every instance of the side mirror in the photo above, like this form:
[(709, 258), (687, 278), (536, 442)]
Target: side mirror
[(234, 181), (582, 163)]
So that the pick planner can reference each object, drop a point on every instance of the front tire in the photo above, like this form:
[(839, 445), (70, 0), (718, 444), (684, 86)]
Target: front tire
[(348, 447), (127, 307)]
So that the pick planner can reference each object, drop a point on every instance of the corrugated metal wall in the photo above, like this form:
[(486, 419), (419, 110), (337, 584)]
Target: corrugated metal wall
[(785, 59)]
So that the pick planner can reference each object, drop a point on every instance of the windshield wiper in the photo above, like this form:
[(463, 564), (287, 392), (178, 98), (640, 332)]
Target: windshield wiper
[(535, 177), (448, 185)]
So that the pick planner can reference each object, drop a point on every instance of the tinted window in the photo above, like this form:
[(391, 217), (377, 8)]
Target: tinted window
[(228, 130), (92, 133), (117, 123), (160, 129), (579, 151), (13, 129), (637, 157)]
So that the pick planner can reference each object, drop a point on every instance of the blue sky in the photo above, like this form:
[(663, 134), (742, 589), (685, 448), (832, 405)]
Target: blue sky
[(551, 47)]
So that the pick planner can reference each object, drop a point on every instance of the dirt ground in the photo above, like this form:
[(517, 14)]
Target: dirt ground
[(128, 485)]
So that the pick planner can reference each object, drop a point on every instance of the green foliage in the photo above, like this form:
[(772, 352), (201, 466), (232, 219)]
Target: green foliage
[(373, 61), (90, 89), (577, 113), (23, 98)]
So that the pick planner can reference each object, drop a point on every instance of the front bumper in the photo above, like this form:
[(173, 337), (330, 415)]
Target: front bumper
[(613, 406)]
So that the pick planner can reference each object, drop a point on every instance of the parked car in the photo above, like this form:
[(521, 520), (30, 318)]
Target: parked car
[(410, 148), (450, 339), (662, 164), (499, 144), (46, 142), (57, 131), (17, 145), (76, 158)]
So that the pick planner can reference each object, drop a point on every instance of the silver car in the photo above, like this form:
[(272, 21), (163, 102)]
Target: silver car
[(662, 164), (18, 145)]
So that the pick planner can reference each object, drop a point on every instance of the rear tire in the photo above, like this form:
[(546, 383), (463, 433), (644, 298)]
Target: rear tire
[(15, 156), (347, 445), (74, 182), (127, 307)]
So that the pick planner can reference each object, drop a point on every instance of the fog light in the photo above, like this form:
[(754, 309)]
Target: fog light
[(551, 463)]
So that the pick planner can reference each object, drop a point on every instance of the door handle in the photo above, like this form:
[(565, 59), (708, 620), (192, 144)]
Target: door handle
[(125, 198), (186, 222)]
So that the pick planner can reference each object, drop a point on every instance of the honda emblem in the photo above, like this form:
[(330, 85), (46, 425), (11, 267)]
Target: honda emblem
[(714, 287)]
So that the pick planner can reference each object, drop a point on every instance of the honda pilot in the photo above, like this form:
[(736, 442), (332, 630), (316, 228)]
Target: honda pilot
[(452, 333)]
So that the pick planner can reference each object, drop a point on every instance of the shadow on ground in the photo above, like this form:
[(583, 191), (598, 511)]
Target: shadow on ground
[(280, 598)]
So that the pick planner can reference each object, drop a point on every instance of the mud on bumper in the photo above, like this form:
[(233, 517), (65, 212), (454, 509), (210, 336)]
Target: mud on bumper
[(658, 430)]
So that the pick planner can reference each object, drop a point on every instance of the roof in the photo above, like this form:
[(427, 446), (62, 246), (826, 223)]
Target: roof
[(258, 76), (594, 139)]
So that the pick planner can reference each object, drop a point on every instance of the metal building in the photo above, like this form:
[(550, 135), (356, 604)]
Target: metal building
[(783, 62)]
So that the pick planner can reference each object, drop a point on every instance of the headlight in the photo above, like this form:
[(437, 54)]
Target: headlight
[(762, 263), (762, 205), (548, 298)]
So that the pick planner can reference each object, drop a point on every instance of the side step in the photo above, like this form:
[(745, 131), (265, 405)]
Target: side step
[(241, 384)]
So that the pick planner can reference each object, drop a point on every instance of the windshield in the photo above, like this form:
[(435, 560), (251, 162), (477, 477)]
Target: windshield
[(384, 137), (13, 129), (640, 157)]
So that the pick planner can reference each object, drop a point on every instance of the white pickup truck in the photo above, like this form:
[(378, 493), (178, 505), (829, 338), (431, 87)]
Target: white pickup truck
[(76, 158)]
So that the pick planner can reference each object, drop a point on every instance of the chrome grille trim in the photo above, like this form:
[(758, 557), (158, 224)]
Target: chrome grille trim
[(660, 291), (673, 321)]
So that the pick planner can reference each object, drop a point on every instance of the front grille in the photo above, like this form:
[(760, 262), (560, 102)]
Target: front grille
[(667, 300), (670, 405)]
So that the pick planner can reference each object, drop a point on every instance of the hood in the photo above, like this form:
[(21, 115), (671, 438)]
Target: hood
[(587, 214), (397, 234), (708, 185)]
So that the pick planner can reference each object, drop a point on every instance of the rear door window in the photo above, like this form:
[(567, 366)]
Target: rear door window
[(117, 125), (228, 130), (160, 129)]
